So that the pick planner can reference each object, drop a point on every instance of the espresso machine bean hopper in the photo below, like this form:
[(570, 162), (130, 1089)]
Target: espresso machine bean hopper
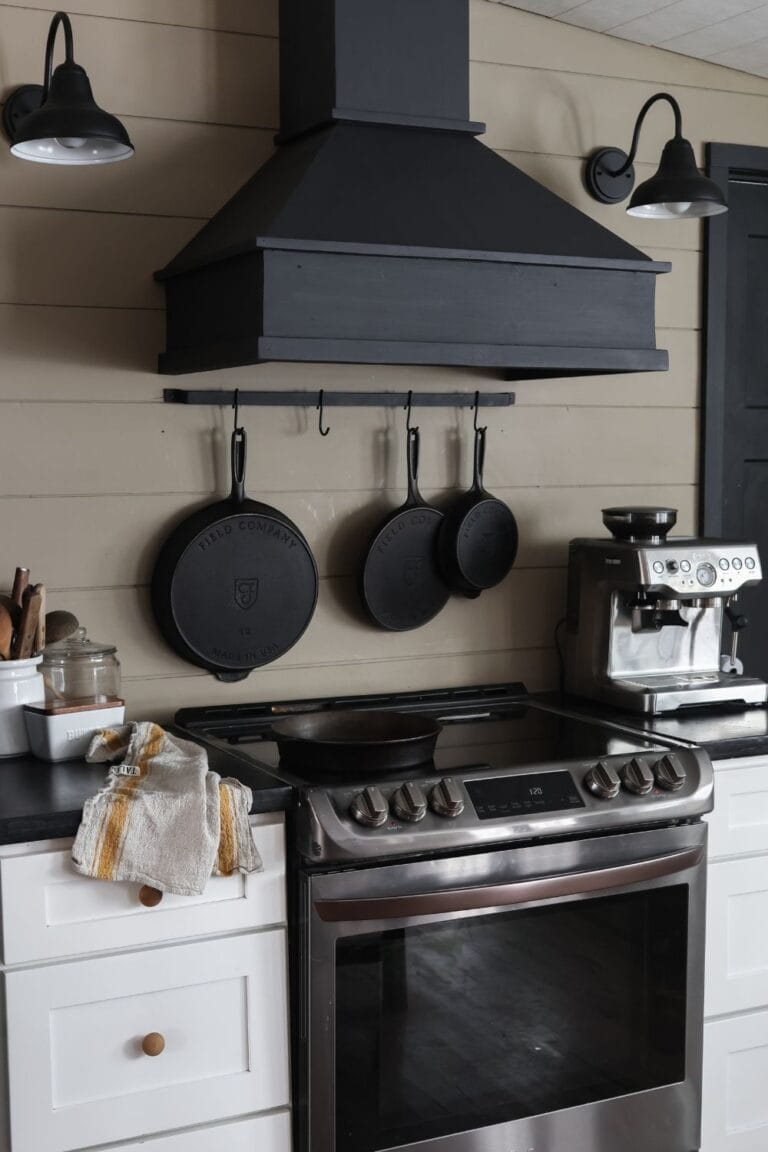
[(645, 615)]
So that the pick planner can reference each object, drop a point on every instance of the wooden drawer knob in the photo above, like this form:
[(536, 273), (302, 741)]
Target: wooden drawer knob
[(149, 897), (153, 1044)]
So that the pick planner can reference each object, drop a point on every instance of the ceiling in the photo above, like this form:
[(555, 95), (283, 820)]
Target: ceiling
[(729, 32)]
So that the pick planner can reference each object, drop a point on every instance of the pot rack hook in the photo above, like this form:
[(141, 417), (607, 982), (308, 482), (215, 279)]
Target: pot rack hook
[(321, 430), (476, 407), (408, 404), (236, 406)]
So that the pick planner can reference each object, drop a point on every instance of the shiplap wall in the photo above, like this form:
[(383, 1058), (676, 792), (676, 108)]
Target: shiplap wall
[(95, 469)]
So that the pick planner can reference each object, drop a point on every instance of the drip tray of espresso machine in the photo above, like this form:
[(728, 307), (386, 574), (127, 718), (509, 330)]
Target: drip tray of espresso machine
[(656, 694)]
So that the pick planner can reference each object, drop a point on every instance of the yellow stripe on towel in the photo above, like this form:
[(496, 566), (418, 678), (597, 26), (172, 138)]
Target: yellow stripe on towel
[(116, 815), (228, 836)]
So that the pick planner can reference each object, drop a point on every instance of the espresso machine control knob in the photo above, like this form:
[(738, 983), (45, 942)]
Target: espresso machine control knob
[(636, 776), (602, 781), (445, 799), (409, 803), (669, 773), (369, 808)]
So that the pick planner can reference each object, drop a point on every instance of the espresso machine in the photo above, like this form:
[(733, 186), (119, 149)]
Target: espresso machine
[(645, 615)]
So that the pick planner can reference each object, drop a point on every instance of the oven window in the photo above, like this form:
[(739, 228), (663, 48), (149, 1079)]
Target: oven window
[(480, 1020)]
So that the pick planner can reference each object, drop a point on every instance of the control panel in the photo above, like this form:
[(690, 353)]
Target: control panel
[(519, 795), (688, 570)]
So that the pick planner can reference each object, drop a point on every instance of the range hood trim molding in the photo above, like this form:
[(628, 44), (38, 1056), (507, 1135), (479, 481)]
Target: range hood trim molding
[(516, 362), (656, 267)]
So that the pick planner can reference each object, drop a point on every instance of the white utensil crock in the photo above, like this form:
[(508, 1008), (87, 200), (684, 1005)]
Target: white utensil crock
[(20, 683)]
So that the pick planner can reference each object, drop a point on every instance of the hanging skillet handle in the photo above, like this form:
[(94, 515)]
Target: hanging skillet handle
[(414, 496), (239, 456), (477, 482)]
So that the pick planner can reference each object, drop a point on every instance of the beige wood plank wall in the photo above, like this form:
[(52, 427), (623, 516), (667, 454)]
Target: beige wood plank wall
[(95, 469)]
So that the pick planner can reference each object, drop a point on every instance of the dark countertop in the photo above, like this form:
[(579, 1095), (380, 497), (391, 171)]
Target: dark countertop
[(41, 801)]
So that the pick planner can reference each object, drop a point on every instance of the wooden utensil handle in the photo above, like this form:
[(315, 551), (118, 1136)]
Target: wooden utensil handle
[(30, 615), (39, 642), (20, 582)]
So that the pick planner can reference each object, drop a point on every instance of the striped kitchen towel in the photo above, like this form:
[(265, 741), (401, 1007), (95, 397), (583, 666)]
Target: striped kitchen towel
[(162, 818)]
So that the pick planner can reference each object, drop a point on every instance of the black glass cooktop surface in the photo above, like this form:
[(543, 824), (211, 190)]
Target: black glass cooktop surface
[(501, 732)]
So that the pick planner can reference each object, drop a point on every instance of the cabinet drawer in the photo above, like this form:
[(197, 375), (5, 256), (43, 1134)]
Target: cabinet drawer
[(259, 1134), (49, 910), (737, 936), (735, 1102), (739, 824), (78, 1075)]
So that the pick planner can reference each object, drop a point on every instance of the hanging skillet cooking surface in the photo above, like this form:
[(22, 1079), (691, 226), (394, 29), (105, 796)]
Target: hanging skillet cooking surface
[(235, 584), (401, 585), (478, 537)]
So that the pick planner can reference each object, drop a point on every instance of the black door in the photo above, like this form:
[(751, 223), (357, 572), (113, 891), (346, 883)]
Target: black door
[(735, 433)]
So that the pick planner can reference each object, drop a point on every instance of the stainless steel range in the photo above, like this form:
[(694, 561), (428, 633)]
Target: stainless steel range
[(500, 950)]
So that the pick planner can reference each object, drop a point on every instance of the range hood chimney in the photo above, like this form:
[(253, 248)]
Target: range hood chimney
[(382, 231)]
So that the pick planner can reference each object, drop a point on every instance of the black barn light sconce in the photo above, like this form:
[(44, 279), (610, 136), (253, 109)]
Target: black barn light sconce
[(59, 122), (677, 191)]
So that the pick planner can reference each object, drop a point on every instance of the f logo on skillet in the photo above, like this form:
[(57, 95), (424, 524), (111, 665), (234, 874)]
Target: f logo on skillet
[(413, 567), (246, 593)]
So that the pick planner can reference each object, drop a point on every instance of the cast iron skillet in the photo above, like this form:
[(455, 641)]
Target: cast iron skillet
[(357, 740), (401, 586), (477, 543), (235, 584)]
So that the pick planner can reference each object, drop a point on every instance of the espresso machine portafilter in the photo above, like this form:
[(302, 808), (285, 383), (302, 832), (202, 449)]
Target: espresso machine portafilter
[(644, 623)]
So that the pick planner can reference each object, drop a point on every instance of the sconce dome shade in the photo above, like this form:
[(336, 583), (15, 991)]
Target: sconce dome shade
[(69, 127), (678, 190)]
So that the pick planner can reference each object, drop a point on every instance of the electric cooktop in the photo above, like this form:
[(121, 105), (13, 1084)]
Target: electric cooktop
[(495, 726)]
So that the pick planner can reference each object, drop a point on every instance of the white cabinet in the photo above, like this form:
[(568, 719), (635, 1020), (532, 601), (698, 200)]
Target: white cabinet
[(49, 910), (259, 1134), (735, 1110), (159, 1034), (735, 1095)]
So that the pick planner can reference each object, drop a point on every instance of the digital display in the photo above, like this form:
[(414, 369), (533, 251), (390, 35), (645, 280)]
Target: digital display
[(523, 795)]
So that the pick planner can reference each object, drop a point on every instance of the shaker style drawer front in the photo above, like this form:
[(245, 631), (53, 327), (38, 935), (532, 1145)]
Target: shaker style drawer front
[(260, 1134), (739, 824), (737, 943), (49, 910), (113, 1048), (735, 1101)]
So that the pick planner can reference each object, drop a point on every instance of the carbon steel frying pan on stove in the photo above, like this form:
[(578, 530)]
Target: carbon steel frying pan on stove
[(235, 584), (355, 739), (401, 585), (477, 543)]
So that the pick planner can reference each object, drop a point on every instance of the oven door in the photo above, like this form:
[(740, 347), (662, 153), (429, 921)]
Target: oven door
[(536, 999)]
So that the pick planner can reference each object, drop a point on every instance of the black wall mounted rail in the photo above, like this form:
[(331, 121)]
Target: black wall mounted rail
[(306, 399)]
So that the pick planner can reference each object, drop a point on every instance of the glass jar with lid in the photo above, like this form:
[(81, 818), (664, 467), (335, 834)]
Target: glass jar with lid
[(79, 671)]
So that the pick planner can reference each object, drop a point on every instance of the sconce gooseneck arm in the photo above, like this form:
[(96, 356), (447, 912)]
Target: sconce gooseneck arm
[(61, 18), (639, 124)]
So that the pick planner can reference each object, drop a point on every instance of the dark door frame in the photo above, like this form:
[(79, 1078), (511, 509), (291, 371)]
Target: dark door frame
[(725, 162)]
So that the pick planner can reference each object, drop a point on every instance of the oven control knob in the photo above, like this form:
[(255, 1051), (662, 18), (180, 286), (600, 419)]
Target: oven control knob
[(409, 803), (369, 808), (636, 776), (445, 799), (669, 772), (602, 781)]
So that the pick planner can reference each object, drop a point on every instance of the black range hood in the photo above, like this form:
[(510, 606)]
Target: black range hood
[(382, 231)]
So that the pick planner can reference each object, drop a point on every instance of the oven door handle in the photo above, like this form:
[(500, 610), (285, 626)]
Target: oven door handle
[(500, 895)]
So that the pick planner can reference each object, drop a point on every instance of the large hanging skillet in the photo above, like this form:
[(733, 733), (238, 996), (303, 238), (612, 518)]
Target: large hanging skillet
[(401, 586), (235, 584), (477, 544)]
